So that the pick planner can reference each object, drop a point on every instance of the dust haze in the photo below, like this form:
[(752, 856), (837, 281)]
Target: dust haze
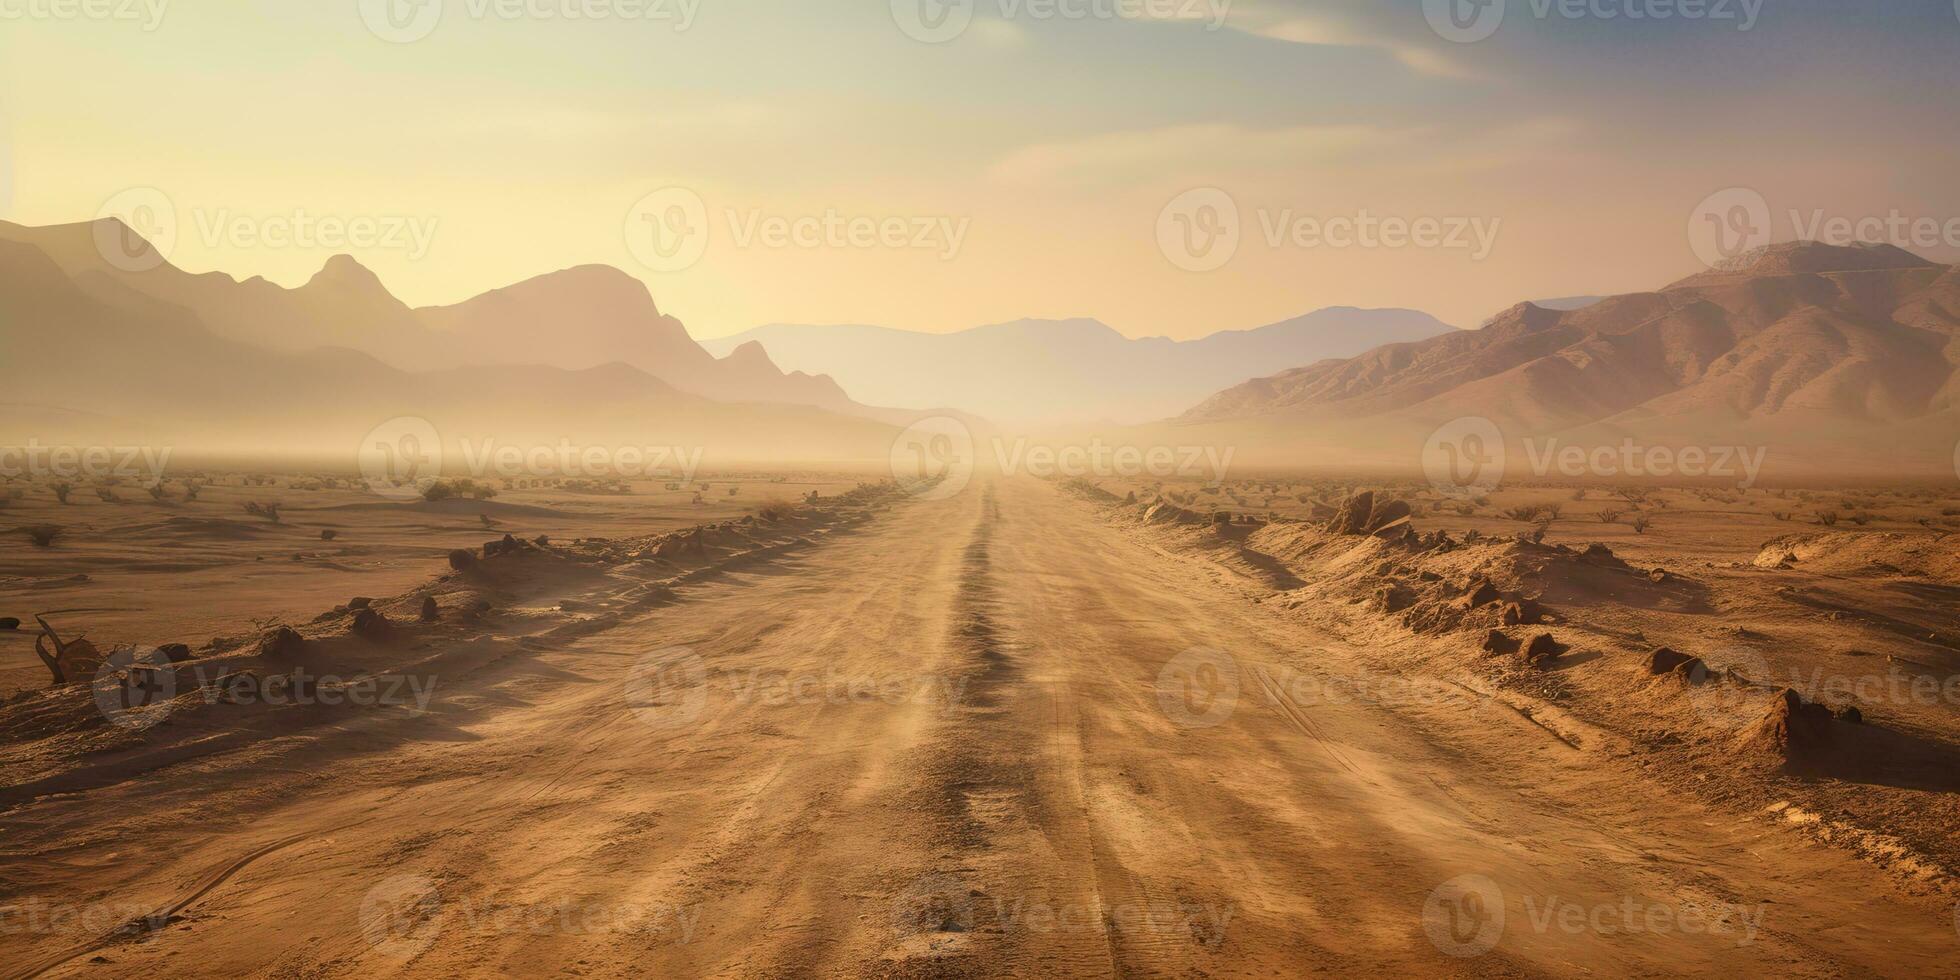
[(462, 548)]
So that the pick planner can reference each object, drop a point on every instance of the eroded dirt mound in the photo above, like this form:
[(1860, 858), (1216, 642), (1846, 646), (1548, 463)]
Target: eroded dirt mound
[(1930, 556)]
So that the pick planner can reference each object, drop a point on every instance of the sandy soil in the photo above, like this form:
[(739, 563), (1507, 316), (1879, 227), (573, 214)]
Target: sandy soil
[(181, 571), (1005, 733)]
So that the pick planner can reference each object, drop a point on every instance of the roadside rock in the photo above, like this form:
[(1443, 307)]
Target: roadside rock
[(1666, 661), (282, 642), (1793, 731)]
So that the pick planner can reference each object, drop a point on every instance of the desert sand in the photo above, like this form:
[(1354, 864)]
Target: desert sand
[(1027, 729)]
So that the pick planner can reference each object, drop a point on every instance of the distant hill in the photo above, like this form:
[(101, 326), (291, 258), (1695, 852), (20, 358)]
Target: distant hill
[(1069, 370), (97, 361), (1809, 349), (578, 318)]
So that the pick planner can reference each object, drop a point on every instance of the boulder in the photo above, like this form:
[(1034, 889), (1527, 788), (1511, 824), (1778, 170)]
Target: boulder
[(1386, 514), (370, 624), (176, 653), (430, 611), (1480, 593), (1666, 661), (1498, 642), (1792, 731), (1352, 517), (282, 642), (1393, 598), (1543, 648), (461, 560), (359, 602)]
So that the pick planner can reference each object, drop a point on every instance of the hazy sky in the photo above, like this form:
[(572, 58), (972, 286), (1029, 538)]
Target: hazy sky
[(1022, 167)]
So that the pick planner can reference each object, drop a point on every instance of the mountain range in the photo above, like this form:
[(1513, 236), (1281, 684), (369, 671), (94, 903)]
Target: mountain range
[(574, 319), (1823, 354), (1076, 370), (108, 356)]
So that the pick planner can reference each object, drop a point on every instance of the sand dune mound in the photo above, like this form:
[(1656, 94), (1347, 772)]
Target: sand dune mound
[(212, 528), (1924, 555)]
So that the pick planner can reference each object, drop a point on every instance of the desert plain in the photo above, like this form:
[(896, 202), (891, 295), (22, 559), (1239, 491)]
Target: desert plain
[(1273, 725)]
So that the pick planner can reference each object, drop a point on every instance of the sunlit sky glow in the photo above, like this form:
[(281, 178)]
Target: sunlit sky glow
[(1055, 143)]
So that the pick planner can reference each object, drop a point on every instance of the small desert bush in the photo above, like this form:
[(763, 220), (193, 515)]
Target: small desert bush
[(1609, 516), (42, 535), (1827, 518), (1641, 524), (1531, 513)]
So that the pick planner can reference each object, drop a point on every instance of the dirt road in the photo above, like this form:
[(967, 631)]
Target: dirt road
[(986, 735)]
